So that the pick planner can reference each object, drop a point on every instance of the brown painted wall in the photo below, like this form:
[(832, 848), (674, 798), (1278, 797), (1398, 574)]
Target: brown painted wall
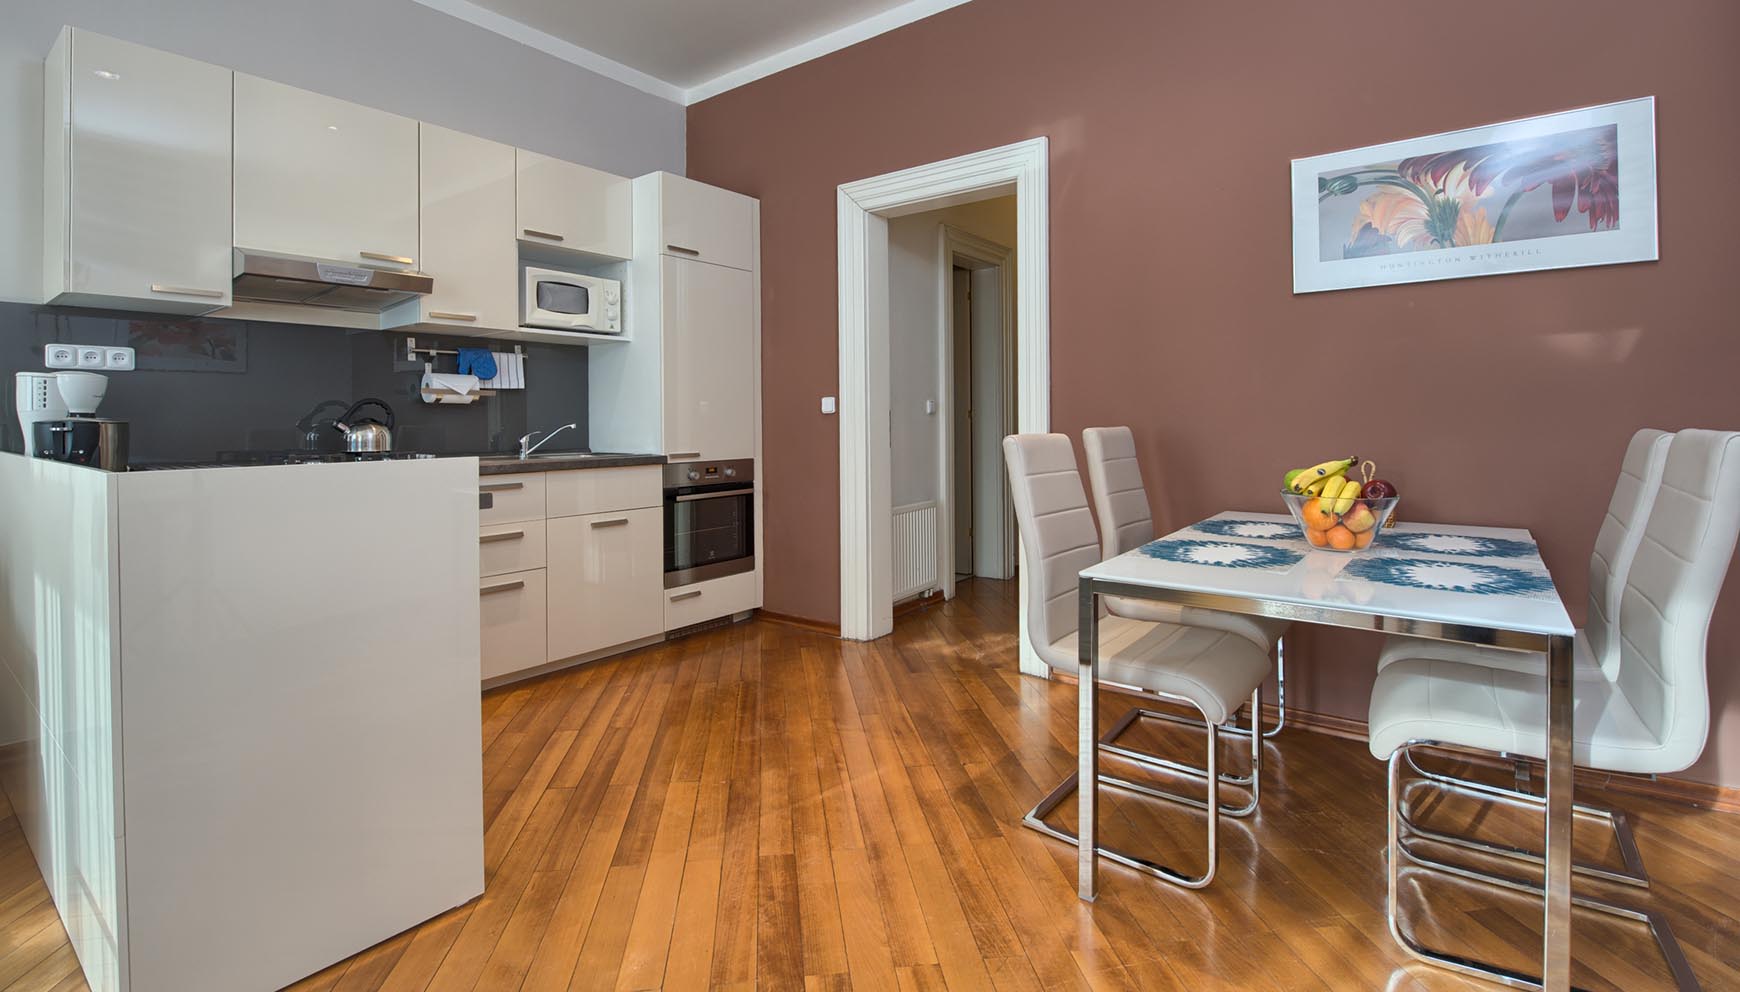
[(1501, 400)]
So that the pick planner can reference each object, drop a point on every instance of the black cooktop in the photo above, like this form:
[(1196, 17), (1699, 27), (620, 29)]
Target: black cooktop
[(293, 457)]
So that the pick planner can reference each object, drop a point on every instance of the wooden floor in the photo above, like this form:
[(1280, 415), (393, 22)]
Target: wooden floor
[(764, 807)]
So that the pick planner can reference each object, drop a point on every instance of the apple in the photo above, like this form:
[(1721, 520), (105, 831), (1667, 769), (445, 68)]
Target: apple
[(1359, 519), (1378, 489)]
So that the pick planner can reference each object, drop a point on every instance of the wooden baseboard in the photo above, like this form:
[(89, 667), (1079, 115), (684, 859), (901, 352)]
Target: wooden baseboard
[(802, 623), (1703, 795)]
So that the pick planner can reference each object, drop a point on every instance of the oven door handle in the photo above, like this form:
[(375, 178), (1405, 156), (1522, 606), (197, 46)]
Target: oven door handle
[(691, 497)]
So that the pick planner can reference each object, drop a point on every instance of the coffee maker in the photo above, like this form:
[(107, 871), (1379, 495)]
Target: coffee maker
[(80, 437)]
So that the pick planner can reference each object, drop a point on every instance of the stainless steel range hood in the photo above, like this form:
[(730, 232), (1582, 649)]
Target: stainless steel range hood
[(267, 277)]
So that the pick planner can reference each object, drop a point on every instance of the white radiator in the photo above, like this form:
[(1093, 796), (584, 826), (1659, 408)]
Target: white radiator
[(915, 557)]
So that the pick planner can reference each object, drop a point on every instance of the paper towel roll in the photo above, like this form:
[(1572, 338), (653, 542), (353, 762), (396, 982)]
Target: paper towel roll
[(445, 387)]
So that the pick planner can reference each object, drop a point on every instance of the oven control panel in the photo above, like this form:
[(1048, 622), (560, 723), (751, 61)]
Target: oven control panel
[(710, 473)]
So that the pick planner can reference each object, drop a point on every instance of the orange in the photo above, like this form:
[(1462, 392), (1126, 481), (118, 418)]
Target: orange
[(1340, 538), (1363, 540), (1316, 515), (1316, 537)]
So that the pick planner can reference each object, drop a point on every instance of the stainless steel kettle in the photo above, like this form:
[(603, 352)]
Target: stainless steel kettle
[(366, 435)]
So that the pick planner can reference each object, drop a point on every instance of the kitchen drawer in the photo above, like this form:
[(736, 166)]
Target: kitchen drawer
[(503, 548), (607, 573), (709, 600), (602, 490), (514, 498), (512, 622)]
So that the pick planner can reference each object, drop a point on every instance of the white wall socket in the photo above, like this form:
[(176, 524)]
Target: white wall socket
[(87, 356)]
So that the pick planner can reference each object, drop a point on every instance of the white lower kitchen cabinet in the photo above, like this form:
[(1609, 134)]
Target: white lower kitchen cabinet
[(699, 602), (512, 619), (606, 576), (247, 748)]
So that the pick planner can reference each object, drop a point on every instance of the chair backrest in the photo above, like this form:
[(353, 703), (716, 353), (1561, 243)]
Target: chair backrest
[(1120, 501), (1670, 593), (1058, 538), (1621, 533)]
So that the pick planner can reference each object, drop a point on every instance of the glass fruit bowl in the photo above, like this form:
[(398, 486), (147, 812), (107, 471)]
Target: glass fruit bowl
[(1332, 525)]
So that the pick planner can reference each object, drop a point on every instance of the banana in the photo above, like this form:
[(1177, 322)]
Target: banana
[(1316, 487), (1287, 480), (1322, 470), (1347, 490)]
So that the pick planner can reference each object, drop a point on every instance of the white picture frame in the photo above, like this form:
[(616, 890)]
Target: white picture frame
[(1382, 214)]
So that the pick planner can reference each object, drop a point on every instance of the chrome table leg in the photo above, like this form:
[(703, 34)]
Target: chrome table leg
[(1556, 938), (1087, 741)]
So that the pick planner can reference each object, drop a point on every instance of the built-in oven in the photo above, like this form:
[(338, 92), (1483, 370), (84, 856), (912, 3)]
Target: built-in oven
[(709, 520)]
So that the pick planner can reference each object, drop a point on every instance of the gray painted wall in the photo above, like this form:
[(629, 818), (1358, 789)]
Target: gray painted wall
[(396, 55)]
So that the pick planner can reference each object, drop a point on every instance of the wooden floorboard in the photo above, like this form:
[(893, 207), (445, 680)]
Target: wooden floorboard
[(765, 806)]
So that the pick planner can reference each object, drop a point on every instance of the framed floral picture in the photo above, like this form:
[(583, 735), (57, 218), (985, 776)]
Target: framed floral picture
[(1568, 189)]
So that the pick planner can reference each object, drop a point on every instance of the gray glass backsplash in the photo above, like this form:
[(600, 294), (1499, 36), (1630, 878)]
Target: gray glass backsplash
[(205, 386)]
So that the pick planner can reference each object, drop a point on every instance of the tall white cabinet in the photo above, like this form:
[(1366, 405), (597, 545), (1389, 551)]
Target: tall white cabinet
[(136, 204), (710, 367), (322, 177)]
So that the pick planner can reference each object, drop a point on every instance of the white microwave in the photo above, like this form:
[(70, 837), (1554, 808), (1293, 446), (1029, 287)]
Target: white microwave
[(569, 301)]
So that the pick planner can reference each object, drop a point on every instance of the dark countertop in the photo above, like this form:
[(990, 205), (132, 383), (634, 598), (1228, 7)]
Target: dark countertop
[(561, 461)]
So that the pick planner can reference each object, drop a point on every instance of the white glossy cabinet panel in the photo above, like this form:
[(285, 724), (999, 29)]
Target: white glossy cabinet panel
[(709, 360), (512, 618), (512, 498), (606, 573), (709, 600), (322, 177), (705, 222), (510, 547), (137, 177), (467, 240), (569, 206), (595, 490)]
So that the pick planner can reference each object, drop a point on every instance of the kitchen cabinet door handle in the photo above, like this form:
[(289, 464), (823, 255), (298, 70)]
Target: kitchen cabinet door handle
[(449, 315), (379, 256), (210, 294), (616, 522), (501, 487), (679, 249), (507, 535), (684, 454), (546, 235), (679, 597), (503, 587)]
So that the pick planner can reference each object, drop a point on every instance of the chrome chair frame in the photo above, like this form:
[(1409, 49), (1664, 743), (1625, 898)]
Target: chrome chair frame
[(1633, 873), (1035, 818), (1663, 934)]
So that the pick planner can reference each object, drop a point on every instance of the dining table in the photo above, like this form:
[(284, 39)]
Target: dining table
[(1473, 585)]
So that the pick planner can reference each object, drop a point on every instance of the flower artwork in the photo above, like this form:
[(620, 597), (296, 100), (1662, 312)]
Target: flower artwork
[(1549, 192)]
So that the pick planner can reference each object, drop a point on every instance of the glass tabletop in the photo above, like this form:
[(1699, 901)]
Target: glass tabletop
[(1479, 576)]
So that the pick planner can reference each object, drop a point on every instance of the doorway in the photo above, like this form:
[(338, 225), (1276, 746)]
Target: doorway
[(978, 341), (864, 209)]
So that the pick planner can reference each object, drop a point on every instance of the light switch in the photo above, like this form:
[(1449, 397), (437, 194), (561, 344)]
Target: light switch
[(91, 358), (930, 407), (60, 356), (119, 359), (829, 405)]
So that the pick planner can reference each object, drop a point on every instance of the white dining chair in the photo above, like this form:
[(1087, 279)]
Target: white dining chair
[(1596, 657), (1213, 670), (1650, 715), (1127, 522)]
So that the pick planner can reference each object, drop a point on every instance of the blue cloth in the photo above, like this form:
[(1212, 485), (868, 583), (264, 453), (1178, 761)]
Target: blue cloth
[(478, 362)]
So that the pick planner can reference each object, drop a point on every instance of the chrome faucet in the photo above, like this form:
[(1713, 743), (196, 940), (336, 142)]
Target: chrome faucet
[(526, 447)]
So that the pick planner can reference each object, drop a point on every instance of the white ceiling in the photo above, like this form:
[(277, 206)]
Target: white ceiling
[(688, 50)]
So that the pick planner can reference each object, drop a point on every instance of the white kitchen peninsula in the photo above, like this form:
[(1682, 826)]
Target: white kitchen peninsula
[(240, 710)]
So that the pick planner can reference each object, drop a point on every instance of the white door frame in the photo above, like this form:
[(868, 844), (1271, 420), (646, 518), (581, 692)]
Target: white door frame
[(866, 577), (981, 254)]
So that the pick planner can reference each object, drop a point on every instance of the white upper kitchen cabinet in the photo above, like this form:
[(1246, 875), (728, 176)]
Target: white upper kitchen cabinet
[(323, 178), (570, 207), (136, 170), (705, 222), (467, 240), (710, 380)]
